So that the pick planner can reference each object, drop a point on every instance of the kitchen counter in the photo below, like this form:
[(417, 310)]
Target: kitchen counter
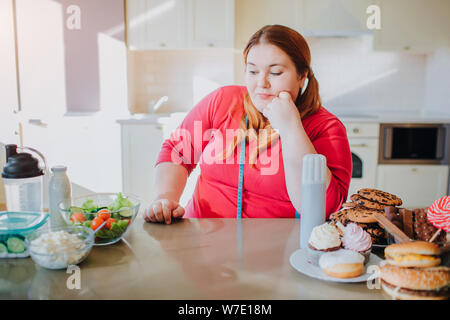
[(346, 117), (191, 259)]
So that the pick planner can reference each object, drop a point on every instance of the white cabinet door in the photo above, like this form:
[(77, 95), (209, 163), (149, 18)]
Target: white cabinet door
[(140, 148), (418, 186), (156, 24), (251, 15), (211, 23), (417, 26), (333, 17), (9, 102)]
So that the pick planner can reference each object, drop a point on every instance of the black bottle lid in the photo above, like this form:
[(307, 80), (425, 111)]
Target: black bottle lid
[(20, 165)]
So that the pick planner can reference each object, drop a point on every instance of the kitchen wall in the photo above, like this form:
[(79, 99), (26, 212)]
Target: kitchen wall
[(185, 76), (437, 82), (352, 77)]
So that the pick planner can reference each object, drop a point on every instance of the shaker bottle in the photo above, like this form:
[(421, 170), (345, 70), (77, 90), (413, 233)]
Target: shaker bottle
[(313, 195), (23, 179)]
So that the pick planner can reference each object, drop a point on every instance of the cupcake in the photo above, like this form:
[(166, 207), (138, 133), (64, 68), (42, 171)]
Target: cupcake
[(356, 239), (323, 238)]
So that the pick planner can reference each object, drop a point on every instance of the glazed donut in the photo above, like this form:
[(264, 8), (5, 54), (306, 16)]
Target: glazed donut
[(342, 263)]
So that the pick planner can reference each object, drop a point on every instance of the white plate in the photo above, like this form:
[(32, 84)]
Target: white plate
[(299, 261)]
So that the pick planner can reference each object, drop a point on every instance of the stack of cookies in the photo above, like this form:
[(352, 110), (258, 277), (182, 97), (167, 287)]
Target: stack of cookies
[(364, 204)]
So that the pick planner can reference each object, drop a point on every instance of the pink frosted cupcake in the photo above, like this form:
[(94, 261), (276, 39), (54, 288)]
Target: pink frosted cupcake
[(356, 239)]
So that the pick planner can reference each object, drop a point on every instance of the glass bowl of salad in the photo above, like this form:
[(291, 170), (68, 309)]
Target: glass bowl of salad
[(117, 209)]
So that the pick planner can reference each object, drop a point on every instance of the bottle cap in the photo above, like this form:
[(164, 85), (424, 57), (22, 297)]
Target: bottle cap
[(59, 168), (20, 165), (314, 169)]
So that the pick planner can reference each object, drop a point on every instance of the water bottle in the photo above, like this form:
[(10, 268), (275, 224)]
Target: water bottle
[(59, 192), (313, 196), (23, 178)]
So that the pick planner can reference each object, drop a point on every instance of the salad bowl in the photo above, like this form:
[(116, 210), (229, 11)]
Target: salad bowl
[(117, 209)]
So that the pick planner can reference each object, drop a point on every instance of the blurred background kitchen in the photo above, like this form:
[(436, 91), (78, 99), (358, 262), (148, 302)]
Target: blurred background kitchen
[(97, 85)]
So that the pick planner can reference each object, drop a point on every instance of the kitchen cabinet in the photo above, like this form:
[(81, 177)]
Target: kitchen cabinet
[(140, 147), (210, 23), (309, 17), (61, 72), (333, 17), (141, 144), (179, 24), (9, 98), (417, 26), (417, 185), (251, 15), (363, 140), (156, 24)]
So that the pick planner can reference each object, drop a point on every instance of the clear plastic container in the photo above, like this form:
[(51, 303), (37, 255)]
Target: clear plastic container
[(24, 194), (14, 227)]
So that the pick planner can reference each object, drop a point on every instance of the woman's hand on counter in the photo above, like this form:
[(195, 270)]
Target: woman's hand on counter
[(163, 210)]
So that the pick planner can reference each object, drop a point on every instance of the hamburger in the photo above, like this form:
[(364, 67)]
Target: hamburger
[(412, 272), (415, 283), (419, 254)]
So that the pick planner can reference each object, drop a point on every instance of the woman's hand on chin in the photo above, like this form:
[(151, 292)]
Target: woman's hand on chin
[(282, 111), (163, 211)]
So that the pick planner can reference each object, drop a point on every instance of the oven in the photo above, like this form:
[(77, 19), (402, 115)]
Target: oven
[(364, 143)]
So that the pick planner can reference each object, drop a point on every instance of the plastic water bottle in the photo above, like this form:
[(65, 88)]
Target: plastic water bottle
[(59, 191), (313, 196)]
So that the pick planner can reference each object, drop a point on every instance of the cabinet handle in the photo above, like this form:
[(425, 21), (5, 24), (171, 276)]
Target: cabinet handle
[(355, 130), (360, 145), (162, 44), (210, 44), (414, 170), (406, 47)]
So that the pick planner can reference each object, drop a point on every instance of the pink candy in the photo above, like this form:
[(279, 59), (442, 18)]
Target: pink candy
[(439, 213)]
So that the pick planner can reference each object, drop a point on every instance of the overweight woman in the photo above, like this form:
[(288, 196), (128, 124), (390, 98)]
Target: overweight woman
[(250, 140)]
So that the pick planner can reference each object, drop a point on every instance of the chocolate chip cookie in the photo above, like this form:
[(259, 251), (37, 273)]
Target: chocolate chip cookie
[(349, 205), (379, 196), (340, 216), (361, 215), (363, 202), (376, 232)]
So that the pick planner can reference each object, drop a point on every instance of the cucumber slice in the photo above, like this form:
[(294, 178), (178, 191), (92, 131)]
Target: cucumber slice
[(16, 245), (74, 209), (126, 212), (3, 248), (123, 224)]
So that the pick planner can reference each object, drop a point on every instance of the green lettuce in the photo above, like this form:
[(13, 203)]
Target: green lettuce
[(89, 205), (120, 202)]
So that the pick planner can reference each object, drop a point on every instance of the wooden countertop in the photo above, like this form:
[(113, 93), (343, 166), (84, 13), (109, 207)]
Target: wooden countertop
[(191, 259)]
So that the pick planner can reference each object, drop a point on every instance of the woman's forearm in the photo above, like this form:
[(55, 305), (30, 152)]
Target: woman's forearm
[(296, 144), (170, 180)]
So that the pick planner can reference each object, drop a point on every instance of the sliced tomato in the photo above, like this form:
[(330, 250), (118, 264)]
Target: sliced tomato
[(96, 223), (109, 222), (77, 217), (104, 214)]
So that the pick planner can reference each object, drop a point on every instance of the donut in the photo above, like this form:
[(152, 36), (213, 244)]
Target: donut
[(342, 263)]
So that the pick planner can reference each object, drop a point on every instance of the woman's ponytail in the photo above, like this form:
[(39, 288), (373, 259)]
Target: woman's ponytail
[(309, 102)]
